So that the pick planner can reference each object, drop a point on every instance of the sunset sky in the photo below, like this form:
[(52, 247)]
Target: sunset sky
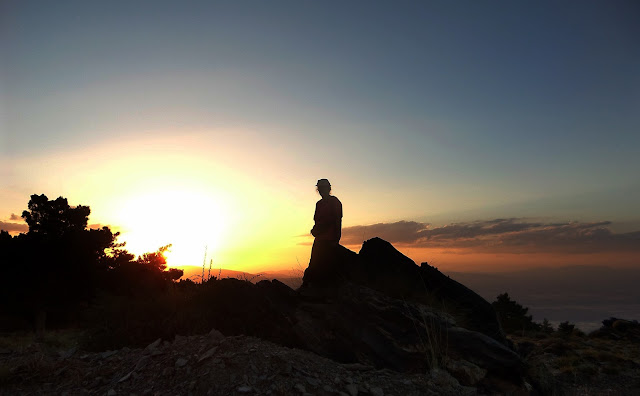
[(473, 135)]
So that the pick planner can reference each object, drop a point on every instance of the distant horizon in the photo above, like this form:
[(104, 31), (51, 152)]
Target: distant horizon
[(497, 245)]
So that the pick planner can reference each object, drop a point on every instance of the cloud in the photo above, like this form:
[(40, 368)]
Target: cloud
[(501, 236), (400, 232), (98, 226), (13, 227)]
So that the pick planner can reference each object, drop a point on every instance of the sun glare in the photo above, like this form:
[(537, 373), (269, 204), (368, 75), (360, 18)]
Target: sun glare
[(186, 218)]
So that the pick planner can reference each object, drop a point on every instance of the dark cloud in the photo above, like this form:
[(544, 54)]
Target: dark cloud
[(13, 227), (501, 235), (400, 232)]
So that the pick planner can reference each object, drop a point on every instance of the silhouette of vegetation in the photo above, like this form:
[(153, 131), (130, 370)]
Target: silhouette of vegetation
[(514, 320), (546, 327), (513, 316), (52, 273)]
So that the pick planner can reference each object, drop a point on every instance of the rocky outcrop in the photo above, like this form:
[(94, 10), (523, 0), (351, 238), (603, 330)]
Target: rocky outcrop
[(379, 308), (376, 310), (391, 272)]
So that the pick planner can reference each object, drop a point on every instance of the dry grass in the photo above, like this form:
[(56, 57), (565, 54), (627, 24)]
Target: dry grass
[(583, 365), (433, 339)]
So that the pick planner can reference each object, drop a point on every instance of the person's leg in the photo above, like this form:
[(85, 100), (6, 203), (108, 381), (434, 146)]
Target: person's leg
[(321, 265)]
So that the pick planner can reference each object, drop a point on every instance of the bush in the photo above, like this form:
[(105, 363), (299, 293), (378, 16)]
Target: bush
[(513, 316)]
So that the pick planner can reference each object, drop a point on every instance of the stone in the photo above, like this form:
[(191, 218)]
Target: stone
[(467, 373), (126, 377), (168, 371), (153, 345), (66, 354), (111, 392), (443, 379), (181, 362), (107, 354), (208, 354), (300, 388), (352, 389), (244, 389), (215, 335), (376, 391), (142, 362)]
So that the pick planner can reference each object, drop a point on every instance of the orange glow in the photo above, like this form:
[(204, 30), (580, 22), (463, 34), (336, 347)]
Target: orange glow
[(178, 189), (465, 260), (187, 218)]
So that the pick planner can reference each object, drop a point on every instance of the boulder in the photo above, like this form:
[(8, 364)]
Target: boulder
[(382, 267)]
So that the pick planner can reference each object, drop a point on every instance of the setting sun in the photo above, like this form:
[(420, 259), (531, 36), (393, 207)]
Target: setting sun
[(188, 218)]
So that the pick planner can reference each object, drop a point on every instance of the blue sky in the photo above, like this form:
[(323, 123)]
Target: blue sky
[(454, 111)]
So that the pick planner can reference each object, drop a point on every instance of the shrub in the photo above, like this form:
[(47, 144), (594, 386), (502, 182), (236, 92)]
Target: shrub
[(513, 316)]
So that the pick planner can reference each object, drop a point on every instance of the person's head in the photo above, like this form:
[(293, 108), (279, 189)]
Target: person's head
[(324, 187)]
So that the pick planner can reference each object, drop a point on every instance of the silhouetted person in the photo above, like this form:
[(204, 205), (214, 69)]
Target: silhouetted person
[(327, 231), (328, 215)]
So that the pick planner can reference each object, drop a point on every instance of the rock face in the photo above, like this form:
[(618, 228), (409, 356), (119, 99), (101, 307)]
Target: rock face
[(379, 308), (391, 272)]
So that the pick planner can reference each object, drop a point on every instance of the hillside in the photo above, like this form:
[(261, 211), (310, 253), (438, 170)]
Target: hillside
[(372, 323)]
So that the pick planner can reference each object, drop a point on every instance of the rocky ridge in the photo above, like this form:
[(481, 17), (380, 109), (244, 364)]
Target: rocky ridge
[(397, 327)]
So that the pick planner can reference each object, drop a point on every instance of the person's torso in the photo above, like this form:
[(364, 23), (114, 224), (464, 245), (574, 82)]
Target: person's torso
[(328, 210), (328, 219)]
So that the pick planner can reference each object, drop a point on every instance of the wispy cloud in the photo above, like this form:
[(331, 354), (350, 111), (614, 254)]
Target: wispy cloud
[(400, 232), (501, 235), (13, 227)]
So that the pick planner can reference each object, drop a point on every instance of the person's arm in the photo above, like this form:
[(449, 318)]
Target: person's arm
[(339, 219), (315, 219)]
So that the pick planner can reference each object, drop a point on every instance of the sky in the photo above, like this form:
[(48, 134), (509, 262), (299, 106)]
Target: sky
[(473, 135)]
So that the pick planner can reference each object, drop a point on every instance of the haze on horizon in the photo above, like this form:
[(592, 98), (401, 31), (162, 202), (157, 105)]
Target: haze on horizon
[(475, 136)]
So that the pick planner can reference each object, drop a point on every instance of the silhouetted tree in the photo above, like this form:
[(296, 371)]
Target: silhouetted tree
[(513, 316), (566, 328), (546, 327), (156, 259), (58, 262), (54, 217), (173, 274)]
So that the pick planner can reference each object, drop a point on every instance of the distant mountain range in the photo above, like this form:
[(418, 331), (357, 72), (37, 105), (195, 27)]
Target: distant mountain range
[(291, 278)]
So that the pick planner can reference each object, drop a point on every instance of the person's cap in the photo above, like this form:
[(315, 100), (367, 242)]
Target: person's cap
[(323, 183)]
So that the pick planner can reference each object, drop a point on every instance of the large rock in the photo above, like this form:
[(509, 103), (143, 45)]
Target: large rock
[(382, 267), (376, 308)]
